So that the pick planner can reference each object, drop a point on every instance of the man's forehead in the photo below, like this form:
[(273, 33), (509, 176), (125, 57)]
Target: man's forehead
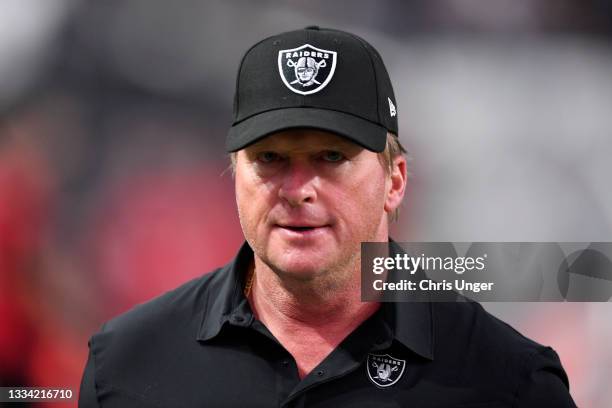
[(304, 139)]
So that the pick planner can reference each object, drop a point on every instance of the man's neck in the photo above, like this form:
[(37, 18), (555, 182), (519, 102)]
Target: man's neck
[(324, 299), (308, 320)]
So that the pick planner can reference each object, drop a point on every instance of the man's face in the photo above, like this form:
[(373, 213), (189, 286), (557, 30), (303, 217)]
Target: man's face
[(307, 199)]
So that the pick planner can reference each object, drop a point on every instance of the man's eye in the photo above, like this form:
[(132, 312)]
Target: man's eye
[(268, 157), (333, 156)]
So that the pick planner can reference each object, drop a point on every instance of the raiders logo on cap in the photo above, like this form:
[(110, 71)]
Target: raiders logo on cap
[(306, 69), (384, 370)]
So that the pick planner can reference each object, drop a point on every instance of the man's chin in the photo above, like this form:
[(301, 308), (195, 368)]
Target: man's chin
[(300, 260), (301, 269)]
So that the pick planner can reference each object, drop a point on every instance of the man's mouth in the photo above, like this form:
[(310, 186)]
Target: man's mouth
[(293, 228), (302, 230)]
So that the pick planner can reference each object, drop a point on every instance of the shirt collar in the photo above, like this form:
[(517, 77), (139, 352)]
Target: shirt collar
[(411, 323), (225, 301)]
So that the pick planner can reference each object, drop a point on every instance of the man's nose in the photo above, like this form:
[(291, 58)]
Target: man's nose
[(298, 185)]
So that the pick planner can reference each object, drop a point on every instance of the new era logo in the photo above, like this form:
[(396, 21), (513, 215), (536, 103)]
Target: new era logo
[(392, 110)]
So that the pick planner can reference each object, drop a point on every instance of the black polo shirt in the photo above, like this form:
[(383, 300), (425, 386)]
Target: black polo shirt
[(200, 346)]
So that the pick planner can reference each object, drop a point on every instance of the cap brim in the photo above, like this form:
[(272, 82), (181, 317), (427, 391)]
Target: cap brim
[(365, 133)]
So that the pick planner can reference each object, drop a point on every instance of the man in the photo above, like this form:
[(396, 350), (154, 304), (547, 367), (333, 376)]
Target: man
[(318, 170)]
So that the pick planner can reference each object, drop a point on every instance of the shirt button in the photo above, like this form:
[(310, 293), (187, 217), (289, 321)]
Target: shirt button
[(321, 373), (285, 363)]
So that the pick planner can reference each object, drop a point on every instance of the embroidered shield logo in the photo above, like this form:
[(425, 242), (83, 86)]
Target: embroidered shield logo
[(306, 69), (385, 370)]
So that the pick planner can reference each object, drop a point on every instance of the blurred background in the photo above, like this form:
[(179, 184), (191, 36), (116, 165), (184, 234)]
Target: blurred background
[(113, 181)]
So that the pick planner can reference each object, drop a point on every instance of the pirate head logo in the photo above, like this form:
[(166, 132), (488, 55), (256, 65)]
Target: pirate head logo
[(385, 370), (306, 69)]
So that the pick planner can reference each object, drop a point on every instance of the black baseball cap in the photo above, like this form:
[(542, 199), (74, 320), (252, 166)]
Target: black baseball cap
[(315, 78)]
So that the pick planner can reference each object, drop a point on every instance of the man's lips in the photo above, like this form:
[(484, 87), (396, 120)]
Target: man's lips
[(302, 228)]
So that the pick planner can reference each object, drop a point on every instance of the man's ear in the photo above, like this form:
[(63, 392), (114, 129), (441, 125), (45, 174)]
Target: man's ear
[(396, 184)]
